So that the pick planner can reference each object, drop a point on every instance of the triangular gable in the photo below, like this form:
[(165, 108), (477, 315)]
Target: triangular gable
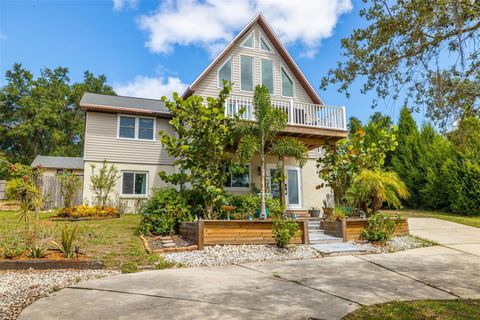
[(277, 46)]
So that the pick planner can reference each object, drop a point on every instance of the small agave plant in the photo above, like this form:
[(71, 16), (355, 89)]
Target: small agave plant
[(66, 244)]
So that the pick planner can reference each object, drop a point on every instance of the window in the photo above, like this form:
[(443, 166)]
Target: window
[(145, 128), (287, 85), (246, 73), (238, 179), (267, 74), (127, 127), (136, 128), (263, 45), (248, 42), (134, 183), (225, 72)]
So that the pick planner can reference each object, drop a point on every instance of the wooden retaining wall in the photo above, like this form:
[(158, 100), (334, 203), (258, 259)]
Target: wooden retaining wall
[(213, 232), (351, 229)]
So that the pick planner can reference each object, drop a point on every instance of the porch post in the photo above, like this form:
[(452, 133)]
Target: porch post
[(290, 111), (344, 118)]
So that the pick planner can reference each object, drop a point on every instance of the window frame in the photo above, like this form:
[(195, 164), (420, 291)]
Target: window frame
[(253, 71), (282, 68), (230, 58), (267, 43), (252, 34), (273, 74), (133, 195), (231, 188), (137, 127)]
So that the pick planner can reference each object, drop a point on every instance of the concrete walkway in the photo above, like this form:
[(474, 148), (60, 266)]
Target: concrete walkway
[(325, 288), (449, 234)]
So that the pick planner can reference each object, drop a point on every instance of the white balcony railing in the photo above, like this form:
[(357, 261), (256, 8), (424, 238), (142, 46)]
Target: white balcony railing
[(299, 114)]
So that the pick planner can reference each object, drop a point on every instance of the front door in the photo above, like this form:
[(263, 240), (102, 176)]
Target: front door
[(293, 188), (293, 194)]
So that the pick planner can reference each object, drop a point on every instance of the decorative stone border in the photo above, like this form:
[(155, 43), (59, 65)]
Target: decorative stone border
[(43, 264)]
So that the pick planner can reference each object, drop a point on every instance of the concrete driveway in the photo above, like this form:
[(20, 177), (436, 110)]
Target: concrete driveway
[(325, 288), (449, 234)]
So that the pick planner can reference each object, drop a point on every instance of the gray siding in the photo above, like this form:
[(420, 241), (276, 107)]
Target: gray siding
[(208, 87), (101, 142)]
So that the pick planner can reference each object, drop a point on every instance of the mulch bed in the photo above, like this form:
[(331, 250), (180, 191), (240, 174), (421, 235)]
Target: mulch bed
[(160, 244), (57, 218)]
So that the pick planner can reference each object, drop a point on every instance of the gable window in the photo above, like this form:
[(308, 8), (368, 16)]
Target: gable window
[(248, 42), (264, 46), (267, 74), (287, 85), (225, 72), (238, 180), (127, 127), (134, 183), (246, 73), (136, 128)]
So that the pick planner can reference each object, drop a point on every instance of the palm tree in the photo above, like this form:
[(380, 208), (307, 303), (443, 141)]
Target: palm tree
[(371, 188), (260, 137)]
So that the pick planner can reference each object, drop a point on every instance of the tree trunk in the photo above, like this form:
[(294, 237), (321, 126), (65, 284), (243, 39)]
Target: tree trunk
[(263, 211), (283, 199)]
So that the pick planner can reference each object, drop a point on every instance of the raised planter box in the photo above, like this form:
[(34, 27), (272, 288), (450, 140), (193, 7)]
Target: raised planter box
[(213, 232), (351, 229), (43, 264)]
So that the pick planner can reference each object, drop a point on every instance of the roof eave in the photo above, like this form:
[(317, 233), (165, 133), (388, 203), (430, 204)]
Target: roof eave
[(136, 111)]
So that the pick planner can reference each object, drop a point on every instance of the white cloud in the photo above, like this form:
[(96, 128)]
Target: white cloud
[(120, 4), (151, 87), (3, 36), (212, 23)]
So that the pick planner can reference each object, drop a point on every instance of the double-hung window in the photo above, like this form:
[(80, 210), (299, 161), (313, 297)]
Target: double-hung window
[(238, 179), (136, 128), (246, 73), (267, 74), (134, 183)]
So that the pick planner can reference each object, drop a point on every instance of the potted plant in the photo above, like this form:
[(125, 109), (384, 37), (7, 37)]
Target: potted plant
[(314, 212)]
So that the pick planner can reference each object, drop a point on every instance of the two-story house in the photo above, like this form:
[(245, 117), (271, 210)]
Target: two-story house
[(123, 130)]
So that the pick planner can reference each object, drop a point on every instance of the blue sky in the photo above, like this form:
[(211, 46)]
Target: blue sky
[(128, 42)]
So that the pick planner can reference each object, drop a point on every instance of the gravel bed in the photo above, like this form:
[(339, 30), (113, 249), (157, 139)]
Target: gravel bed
[(18, 289), (395, 244), (235, 254)]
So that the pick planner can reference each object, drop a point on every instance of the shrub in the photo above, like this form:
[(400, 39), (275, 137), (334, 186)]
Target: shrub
[(70, 183), (380, 228), (87, 211), (67, 240), (163, 212), (37, 252), (103, 182), (247, 206), (283, 231)]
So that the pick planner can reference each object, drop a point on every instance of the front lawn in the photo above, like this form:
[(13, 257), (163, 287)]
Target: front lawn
[(473, 221), (419, 310), (113, 241)]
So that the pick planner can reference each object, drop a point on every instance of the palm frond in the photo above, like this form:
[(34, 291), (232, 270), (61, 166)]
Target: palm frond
[(290, 147)]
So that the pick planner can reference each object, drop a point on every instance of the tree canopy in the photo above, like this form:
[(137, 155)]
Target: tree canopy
[(42, 115), (422, 52)]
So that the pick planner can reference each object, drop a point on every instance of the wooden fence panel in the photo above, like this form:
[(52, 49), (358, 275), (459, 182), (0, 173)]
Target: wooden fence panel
[(50, 187), (3, 184)]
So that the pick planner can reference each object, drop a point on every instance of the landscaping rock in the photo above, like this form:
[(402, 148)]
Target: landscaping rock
[(236, 254), (395, 244), (18, 289)]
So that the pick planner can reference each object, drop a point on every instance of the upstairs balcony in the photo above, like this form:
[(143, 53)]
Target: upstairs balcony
[(314, 124)]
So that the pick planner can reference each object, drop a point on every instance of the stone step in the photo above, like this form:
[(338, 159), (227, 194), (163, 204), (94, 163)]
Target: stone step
[(338, 248)]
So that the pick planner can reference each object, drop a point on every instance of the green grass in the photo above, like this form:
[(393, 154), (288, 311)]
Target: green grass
[(113, 241), (419, 310), (473, 221)]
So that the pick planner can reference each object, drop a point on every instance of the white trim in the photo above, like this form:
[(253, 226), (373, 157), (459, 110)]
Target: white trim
[(299, 182), (230, 58), (252, 34), (240, 71), (137, 127), (273, 74), (133, 195), (282, 67)]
